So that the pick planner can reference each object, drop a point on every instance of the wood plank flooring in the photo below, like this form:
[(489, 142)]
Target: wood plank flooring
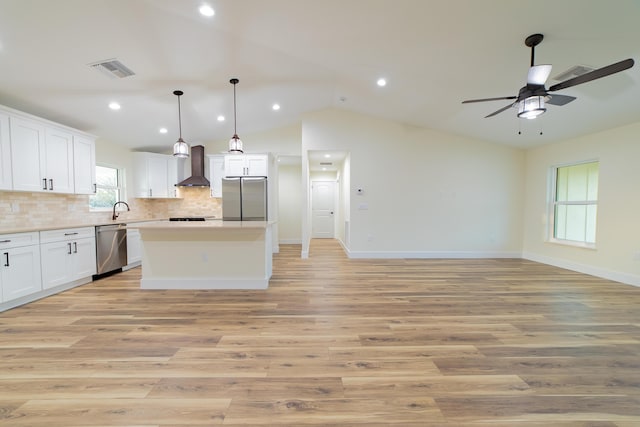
[(333, 341)]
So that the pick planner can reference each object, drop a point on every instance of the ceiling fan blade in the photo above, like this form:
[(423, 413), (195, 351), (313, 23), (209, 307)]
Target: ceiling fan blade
[(468, 101), (538, 74), (560, 99), (499, 111), (593, 75)]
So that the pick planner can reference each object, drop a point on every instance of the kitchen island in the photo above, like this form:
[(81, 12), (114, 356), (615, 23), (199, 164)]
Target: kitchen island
[(212, 254)]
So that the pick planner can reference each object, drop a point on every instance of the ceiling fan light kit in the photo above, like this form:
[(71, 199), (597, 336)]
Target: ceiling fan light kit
[(532, 98), (531, 107)]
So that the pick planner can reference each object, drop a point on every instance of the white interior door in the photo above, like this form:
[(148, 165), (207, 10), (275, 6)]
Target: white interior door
[(322, 209)]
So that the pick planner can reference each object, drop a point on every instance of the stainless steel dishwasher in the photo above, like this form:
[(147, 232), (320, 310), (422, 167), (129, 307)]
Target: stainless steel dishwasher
[(111, 247)]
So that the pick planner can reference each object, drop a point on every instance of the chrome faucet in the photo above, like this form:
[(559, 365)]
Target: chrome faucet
[(115, 215)]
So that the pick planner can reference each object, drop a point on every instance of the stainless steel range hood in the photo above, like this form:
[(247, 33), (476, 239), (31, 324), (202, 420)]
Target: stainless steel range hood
[(197, 178)]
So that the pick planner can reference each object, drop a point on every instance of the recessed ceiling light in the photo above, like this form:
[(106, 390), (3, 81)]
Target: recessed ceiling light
[(276, 107), (114, 105), (324, 169), (206, 10), (326, 156), (221, 118), (382, 82), (163, 130)]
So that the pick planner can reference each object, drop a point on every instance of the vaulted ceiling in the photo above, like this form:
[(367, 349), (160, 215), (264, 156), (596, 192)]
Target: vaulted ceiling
[(307, 55)]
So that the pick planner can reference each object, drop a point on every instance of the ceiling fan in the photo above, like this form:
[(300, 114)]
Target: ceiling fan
[(531, 98)]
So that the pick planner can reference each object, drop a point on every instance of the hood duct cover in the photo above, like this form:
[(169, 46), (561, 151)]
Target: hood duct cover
[(197, 178)]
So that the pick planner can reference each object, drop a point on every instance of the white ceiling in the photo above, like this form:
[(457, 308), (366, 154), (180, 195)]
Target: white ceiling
[(313, 54)]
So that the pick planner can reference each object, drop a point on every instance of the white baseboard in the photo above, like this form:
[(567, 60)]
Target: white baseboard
[(431, 255), (200, 284), (629, 279)]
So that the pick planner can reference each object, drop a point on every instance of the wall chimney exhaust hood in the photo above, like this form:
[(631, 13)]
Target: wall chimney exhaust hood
[(197, 178)]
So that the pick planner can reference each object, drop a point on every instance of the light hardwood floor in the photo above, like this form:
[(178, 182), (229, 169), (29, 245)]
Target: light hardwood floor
[(493, 342)]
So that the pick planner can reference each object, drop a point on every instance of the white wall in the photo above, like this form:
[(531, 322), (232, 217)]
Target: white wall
[(280, 141), (290, 204), (427, 193), (617, 255)]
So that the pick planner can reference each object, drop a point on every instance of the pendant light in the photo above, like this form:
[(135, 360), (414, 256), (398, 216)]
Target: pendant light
[(235, 143), (180, 148)]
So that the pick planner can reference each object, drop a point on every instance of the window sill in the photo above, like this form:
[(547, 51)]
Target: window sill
[(573, 243)]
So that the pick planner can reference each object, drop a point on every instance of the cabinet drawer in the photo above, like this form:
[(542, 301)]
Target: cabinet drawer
[(16, 240), (67, 234)]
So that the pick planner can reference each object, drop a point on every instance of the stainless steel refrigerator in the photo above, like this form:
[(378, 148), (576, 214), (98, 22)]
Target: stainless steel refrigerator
[(244, 198)]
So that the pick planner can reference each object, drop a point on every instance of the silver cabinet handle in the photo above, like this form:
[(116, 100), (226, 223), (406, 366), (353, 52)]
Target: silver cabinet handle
[(75, 247), (50, 184), (151, 192), (6, 254), (44, 183), (70, 234), (95, 188), (5, 241), (69, 244)]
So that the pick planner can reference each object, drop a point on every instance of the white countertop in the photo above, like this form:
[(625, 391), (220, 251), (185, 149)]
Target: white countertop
[(208, 225)]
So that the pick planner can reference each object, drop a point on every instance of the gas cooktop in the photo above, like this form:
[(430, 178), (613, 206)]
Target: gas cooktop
[(187, 218)]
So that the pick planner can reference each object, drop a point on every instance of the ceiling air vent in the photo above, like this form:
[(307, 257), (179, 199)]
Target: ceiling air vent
[(326, 163), (575, 71), (112, 68)]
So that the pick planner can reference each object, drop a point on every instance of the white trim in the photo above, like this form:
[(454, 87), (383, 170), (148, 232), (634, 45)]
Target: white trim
[(206, 283), (629, 279), (432, 255)]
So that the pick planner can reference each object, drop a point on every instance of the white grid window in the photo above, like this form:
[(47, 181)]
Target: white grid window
[(575, 204), (109, 188)]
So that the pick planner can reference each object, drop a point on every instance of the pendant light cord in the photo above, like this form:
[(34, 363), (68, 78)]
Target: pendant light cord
[(235, 120), (179, 118)]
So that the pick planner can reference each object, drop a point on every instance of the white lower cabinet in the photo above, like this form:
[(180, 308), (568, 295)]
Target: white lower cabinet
[(20, 266), (67, 255)]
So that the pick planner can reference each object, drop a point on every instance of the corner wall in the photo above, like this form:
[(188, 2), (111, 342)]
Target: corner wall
[(617, 253)]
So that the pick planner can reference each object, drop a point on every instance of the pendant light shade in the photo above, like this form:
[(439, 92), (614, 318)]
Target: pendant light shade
[(180, 148), (235, 143)]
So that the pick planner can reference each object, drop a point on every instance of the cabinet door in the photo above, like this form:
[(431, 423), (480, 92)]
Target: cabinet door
[(58, 159), (56, 263), (172, 176), (256, 165), (84, 165), (83, 255), (27, 159), (234, 165), (157, 176), (5, 154), (134, 250), (20, 272), (216, 173)]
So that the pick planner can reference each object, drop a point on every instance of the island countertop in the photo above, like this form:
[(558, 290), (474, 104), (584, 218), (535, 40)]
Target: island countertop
[(208, 224)]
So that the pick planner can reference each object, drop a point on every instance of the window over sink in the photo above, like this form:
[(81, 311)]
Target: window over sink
[(110, 188)]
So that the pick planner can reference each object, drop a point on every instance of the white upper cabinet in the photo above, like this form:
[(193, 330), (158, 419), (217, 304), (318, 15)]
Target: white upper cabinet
[(6, 183), (246, 165), (84, 165), (40, 156), (58, 160), (155, 175), (27, 155)]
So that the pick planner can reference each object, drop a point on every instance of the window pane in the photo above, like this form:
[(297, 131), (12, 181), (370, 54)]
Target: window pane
[(106, 177), (104, 198), (562, 178), (591, 224), (576, 222), (560, 231), (592, 193)]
